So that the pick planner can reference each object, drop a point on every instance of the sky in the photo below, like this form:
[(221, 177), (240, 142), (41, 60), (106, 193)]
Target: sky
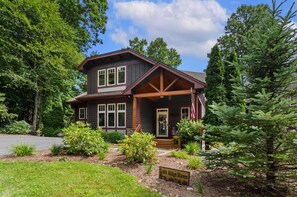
[(190, 26)]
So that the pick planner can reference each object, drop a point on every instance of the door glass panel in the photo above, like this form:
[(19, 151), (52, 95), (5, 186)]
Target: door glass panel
[(162, 121)]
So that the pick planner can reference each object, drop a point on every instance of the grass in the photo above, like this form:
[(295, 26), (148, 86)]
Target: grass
[(180, 154), (21, 150), (67, 179)]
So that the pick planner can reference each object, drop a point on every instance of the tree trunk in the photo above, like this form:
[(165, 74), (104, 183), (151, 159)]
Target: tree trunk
[(37, 101), (271, 167)]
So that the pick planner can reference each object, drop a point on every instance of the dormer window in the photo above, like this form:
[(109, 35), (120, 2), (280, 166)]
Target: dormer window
[(101, 78), (111, 76), (121, 75)]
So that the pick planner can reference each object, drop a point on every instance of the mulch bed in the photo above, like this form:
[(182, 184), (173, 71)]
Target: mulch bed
[(214, 183)]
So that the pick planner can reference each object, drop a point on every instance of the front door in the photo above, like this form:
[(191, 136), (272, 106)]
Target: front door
[(162, 122)]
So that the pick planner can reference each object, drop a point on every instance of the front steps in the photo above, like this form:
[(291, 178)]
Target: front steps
[(166, 143)]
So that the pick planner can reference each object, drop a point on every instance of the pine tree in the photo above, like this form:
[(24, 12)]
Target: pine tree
[(232, 78), (261, 141), (214, 90)]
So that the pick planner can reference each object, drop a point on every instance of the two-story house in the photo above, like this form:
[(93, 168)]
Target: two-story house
[(127, 90)]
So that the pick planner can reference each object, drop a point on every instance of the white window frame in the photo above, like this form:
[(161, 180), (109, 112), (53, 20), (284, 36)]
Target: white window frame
[(118, 68), (121, 111), (115, 79), (79, 117), (114, 112), (101, 112), (104, 77), (181, 113)]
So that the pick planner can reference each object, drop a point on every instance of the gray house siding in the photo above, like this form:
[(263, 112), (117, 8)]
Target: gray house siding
[(135, 68), (146, 115)]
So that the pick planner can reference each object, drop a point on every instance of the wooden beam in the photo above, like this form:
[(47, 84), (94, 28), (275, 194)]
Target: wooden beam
[(134, 113), (154, 87), (161, 81), (155, 94), (170, 84)]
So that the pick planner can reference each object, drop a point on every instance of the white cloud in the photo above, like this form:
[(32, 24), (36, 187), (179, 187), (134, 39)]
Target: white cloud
[(190, 26), (120, 36)]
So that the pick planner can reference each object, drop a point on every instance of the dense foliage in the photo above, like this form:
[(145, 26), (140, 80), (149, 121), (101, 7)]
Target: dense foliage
[(263, 137), (79, 138), (139, 147), (156, 50), (190, 130), (214, 89), (112, 137), (5, 116), (232, 79), (238, 25), (41, 44), (16, 127)]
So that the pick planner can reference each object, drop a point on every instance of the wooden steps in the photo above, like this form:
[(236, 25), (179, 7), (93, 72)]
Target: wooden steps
[(166, 143)]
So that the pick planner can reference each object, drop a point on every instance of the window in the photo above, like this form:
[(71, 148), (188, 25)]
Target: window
[(101, 115), (111, 115), (185, 113), (111, 76), (122, 75), (101, 78), (121, 115), (81, 114)]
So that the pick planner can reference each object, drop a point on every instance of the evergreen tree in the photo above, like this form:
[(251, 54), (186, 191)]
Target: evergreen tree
[(260, 141), (214, 90), (232, 78)]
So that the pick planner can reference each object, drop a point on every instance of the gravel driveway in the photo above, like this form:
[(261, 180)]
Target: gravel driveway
[(41, 143)]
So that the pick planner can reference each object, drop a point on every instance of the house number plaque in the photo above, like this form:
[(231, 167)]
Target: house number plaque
[(178, 176)]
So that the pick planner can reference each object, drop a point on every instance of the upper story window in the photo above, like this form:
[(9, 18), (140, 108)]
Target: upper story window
[(82, 113), (185, 113), (101, 78), (111, 76), (121, 75)]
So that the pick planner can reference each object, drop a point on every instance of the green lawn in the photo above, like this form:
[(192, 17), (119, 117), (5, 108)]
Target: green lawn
[(67, 179)]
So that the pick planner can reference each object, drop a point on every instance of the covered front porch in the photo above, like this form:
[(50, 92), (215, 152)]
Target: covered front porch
[(163, 97)]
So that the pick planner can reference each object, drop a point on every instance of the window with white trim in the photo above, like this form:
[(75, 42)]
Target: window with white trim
[(81, 113), (185, 113), (101, 78), (111, 76), (101, 115), (111, 115), (121, 115), (121, 74)]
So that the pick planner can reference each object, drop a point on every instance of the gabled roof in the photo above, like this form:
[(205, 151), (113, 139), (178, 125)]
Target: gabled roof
[(197, 83), (198, 75), (114, 53), (76, 99)]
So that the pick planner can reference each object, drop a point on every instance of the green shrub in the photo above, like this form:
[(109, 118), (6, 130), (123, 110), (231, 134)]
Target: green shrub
[(80, 139), (112, 137), (57, 149), (190, 130), (180, 154), (21, 150), (17, 127), (51, 132), (139, 147), (199, 186), (194, 162), (192, 148)]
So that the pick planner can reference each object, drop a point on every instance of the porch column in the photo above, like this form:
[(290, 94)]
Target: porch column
[(134, 115)]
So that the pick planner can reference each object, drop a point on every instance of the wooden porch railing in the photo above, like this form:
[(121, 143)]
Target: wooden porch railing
[(138, 128)]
